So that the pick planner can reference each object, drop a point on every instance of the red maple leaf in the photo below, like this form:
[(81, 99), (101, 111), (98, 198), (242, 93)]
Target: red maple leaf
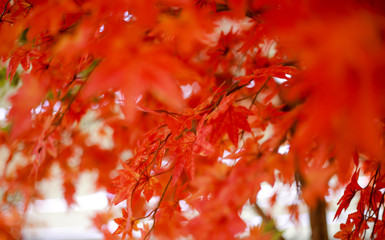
[(228, 118), (351, 189)]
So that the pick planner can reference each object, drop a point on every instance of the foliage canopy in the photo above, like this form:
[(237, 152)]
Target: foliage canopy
[(179, 83)]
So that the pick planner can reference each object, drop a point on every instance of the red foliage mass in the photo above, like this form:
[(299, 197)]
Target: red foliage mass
[(177, 89)]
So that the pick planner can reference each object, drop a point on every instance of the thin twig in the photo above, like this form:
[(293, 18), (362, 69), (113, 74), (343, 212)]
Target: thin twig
[(377, 215), (5, 9), (259, 91), (64, 113), (157, 208)]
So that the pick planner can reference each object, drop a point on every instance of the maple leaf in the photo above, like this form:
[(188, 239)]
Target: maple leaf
[(346, 232), (183, 156), (21, 55), (100, 221), (47, 16), (360, 223), (351, 189), (230, 220), (123, 183), (222, 54), (202, 146), (229, 118), (169, 214), (125, 224), (148, 190), (137, 75), (185, 30)]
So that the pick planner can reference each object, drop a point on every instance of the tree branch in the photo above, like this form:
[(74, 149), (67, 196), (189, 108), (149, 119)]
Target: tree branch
[(5, 9)]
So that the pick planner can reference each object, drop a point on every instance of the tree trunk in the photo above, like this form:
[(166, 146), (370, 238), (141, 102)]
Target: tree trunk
[(318, 221)]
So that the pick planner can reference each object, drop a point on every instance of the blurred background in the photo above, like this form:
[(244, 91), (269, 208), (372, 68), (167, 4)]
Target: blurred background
[(50, 219)]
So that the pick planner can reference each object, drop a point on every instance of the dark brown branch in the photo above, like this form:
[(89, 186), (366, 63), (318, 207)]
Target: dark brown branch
[(5, 9), (318, 220)]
